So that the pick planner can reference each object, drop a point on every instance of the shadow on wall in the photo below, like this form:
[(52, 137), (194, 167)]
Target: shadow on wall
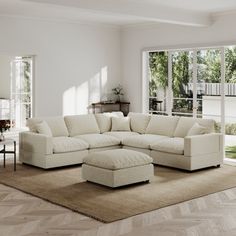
[(77, 99)]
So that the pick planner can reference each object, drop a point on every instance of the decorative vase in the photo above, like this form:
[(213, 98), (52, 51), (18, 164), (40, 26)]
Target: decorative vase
[(118, 98), (2, 138)]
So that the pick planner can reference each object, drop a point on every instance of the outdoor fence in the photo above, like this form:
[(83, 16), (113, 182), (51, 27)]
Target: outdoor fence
[(212, 89)]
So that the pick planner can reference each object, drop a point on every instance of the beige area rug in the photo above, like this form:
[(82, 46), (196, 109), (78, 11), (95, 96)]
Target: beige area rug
[(65, 187)]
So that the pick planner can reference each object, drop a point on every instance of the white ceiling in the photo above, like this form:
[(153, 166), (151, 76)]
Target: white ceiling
[(120, 12), (209, 6)]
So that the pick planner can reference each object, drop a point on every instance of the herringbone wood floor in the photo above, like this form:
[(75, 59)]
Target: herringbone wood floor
[(23, 214)]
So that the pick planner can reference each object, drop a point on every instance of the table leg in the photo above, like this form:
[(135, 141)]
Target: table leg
[(14, 155), (4, 156)]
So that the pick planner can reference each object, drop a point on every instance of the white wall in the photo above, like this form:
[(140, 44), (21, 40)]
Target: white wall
[(164, 36), (5, 76), (75, 63)]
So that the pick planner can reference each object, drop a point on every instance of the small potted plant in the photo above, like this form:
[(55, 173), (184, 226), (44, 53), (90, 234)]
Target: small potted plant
[(4, 126), (118, 91)]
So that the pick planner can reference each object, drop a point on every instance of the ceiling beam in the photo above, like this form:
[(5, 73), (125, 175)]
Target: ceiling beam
[(141, 10)]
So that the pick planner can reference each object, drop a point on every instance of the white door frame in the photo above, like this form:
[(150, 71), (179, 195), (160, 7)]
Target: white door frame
[(222, 49)]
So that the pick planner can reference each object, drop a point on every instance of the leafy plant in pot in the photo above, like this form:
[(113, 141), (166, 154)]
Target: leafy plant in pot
[(4, 126), (118, 91)]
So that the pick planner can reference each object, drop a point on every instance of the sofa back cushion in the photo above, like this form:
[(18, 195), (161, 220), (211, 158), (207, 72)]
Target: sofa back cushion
[(116, 114), (56, 124), (139, 122), (162, 125), (81, 124), (186, 123), (104, 120)]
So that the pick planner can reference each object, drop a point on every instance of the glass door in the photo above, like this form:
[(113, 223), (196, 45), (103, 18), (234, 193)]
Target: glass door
[(158, 82), (21, 91), (209, 85), (230, 102), (182, 83)]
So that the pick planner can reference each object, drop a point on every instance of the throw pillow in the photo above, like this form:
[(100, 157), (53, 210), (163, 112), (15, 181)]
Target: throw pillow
[(120, 124), (196, 130), (43, 128)]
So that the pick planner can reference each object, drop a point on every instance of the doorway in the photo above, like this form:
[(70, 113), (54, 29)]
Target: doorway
[(16, 90)]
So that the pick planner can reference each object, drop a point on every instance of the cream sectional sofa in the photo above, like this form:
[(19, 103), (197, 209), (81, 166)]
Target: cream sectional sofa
[(166, 139)]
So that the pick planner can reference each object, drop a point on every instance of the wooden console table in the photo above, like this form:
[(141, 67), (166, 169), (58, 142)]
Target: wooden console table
[(101, 107)]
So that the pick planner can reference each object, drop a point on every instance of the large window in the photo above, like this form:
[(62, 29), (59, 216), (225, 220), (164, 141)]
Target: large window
[(189, 82)]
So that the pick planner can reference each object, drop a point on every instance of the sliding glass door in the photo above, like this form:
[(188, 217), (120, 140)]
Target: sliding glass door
[(190, 86)]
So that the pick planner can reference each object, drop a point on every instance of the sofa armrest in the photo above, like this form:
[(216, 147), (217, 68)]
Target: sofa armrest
[(203, 144), (37, 143)]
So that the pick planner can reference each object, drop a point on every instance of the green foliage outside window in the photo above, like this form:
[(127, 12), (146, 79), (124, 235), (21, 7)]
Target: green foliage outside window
[(208, 71)]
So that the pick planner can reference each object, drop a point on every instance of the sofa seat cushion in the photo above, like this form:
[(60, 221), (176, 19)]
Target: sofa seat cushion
[(121, 134), (170, 145), (99, 140), (66, 144), (142, 141), (117, 159)]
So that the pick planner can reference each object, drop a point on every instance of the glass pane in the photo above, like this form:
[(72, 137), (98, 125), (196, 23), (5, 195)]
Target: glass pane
[(182, 107), (182, 82), (199, 106), (22, 98), (26, 79), (158, 81), (209, 85), (21, 90), (230, 102)]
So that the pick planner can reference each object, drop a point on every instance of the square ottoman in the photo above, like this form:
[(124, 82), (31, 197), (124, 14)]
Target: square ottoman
[(117, 167)]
